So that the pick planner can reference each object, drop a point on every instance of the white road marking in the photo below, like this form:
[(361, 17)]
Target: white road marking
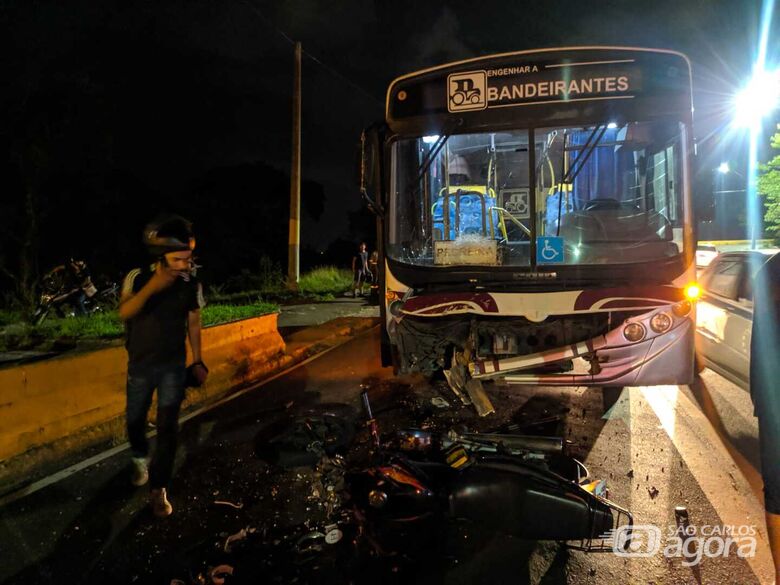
[(713, 468)]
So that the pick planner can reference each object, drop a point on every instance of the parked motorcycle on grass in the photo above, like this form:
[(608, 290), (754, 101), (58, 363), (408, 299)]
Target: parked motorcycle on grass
[(68, 290)]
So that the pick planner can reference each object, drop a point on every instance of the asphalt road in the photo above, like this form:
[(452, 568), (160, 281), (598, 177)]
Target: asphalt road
[(657, 448)]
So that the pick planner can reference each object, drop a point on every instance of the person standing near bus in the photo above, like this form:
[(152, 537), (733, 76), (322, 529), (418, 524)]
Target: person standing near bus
[(160, 306), (765, 392), (360, 270)]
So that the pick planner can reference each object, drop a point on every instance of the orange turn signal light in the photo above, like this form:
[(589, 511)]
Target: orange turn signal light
[(692, 291)]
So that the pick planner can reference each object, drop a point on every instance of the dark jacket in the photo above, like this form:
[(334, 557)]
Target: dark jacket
[(765, 341)]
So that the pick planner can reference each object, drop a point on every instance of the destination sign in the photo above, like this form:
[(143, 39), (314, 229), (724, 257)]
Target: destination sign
[(479, 90), (532, 87)]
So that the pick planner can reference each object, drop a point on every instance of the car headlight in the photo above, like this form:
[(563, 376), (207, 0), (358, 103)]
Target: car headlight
[(660, 322), (634, 332)]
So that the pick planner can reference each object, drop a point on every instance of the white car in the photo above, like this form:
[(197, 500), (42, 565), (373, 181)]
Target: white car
[(724, 315), (705, 255)]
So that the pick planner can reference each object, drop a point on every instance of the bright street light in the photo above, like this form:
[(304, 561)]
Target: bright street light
[(724, 168), (759, 97)]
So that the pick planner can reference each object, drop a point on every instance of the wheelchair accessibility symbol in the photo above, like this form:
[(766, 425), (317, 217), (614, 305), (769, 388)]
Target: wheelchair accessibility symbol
[(549, 250)]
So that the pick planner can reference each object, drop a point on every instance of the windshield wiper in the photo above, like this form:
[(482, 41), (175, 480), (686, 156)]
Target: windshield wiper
[(587, 150), (426, 163)]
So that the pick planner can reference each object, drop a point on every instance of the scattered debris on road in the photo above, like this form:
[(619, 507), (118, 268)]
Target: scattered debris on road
[(231, 504), (439, 402)]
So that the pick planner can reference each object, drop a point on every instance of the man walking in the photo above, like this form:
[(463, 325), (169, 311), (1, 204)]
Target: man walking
[(160, 306), (360, 270)]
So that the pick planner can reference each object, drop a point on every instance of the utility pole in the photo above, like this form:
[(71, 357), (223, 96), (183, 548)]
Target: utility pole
[(293, 257)]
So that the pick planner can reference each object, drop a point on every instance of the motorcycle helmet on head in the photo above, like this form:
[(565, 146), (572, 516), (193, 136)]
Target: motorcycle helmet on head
[(168, 233)]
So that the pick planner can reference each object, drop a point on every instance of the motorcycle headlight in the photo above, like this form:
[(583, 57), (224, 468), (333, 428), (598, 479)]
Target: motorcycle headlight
[(660, 322), (634, 332)]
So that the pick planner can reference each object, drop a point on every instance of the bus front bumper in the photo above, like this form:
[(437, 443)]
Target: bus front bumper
[(612, 361)]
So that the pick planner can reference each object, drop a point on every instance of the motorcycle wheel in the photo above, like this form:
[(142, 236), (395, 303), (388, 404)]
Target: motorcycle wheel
[(40, 314)]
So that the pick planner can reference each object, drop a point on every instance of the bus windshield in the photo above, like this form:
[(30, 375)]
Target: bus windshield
[(609, 193)]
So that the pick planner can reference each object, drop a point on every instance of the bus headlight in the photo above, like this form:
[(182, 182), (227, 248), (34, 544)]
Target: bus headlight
[(682, 308), (634, 332), (660, 322)]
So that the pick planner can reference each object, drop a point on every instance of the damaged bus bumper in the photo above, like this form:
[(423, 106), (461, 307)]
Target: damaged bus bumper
[(610, 361), (623, 344)]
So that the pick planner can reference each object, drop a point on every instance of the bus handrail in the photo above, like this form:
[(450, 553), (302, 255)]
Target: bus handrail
[(517, 222)]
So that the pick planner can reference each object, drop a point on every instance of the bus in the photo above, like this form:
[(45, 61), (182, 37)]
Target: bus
[(534, 217)]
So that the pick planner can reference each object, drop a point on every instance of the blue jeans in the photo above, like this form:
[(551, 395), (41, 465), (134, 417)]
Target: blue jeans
[(142, 380)]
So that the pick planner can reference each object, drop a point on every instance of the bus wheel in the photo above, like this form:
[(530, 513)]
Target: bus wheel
[(610, 395)]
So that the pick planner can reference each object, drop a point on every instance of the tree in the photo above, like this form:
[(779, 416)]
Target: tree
[(58, 126), (769, 187)]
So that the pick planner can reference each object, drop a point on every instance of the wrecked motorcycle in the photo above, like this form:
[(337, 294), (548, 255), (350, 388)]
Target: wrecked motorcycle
[(410, 505), (520, 486), (68, 290)]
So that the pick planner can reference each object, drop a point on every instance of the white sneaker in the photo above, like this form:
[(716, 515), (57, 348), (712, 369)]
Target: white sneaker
[(158, 500), (140, 471)]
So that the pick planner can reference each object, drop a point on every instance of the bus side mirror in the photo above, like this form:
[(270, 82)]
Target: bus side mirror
[(369, 181)]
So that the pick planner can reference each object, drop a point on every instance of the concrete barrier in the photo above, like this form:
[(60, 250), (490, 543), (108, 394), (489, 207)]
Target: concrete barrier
[(55, 406)]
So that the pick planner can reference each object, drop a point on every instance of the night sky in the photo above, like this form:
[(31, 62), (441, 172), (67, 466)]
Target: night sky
[(104, 99)]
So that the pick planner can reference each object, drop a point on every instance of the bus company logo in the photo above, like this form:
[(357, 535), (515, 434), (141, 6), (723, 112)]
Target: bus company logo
[(467, 91)]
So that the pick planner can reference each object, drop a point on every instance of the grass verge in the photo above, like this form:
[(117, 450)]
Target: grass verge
[(321, 284), (107, 325), (326, 280)]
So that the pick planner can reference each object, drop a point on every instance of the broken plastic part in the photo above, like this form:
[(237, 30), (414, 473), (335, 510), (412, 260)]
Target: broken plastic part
[(333, 536), (217, 574), (597, 487), (377, 498), (226, 503), (309, 542), (479, 398), (439, 402), (240, 535)]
